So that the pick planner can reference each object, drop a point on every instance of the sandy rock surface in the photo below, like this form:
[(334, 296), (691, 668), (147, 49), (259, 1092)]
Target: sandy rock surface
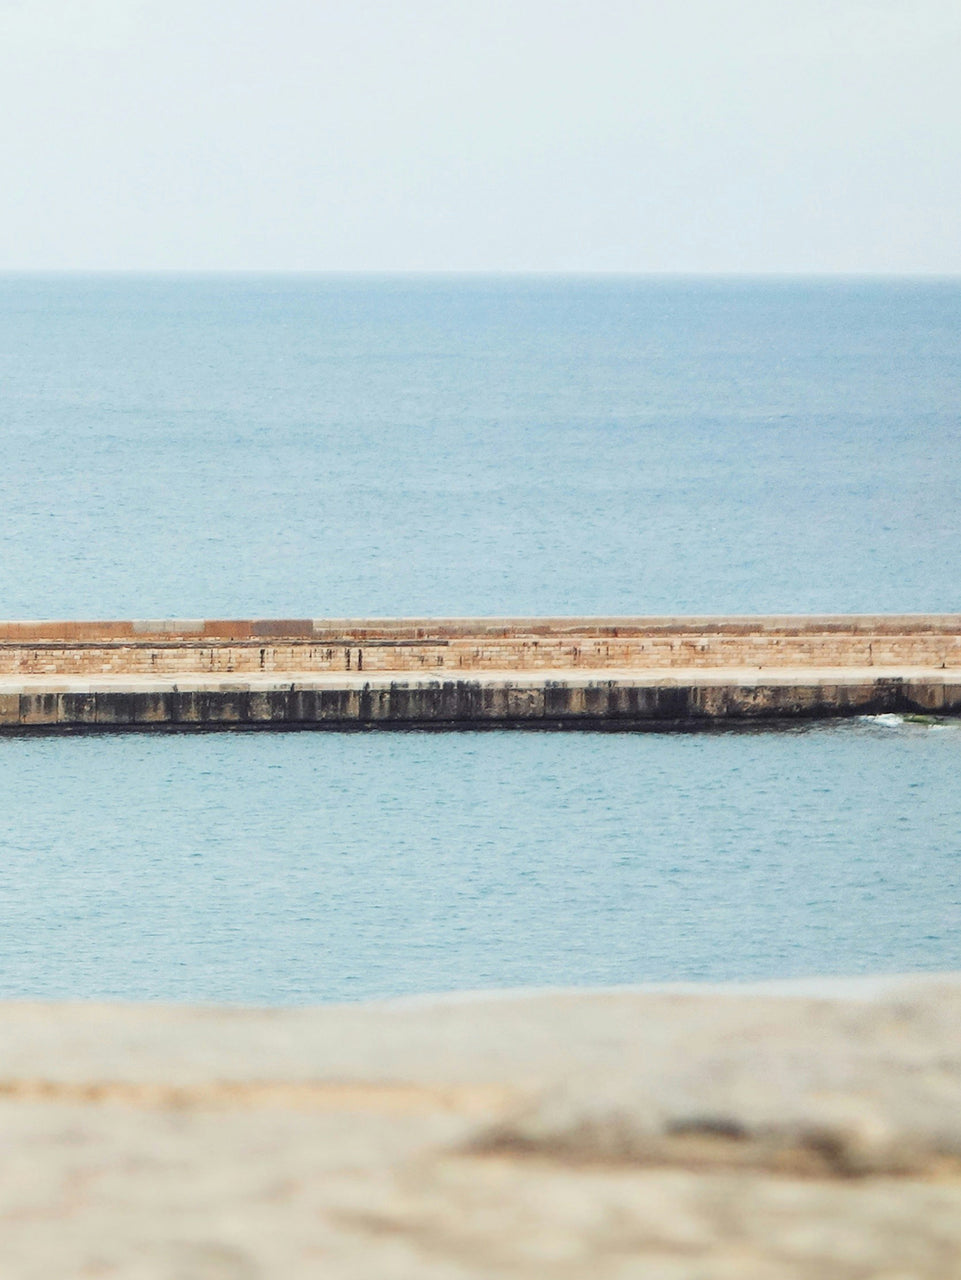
[(783, 1133)]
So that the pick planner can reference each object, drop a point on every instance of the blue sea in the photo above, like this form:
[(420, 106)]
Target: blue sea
[(336, 446)]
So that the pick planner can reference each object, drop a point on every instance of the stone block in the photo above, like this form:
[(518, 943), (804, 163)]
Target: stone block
[(9, 709), (77, 708), (151, 707), (268, 706), (38, 708), (115, 707)]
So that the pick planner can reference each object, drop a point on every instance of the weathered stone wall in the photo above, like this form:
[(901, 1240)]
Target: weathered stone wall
[(468, 645), (554, 704)]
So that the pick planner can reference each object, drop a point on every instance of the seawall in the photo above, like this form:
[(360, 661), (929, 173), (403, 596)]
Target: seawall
[(617, 673)]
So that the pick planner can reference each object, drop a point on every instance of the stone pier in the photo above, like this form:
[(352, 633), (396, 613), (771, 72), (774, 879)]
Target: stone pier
[(551, 673)]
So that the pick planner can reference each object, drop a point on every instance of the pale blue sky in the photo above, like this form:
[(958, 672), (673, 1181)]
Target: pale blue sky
[(511, 135)]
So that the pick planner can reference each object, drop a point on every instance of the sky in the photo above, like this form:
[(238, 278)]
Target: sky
[(704, 136)]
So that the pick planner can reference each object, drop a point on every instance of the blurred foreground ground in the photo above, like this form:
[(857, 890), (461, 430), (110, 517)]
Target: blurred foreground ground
[(767, 1133)]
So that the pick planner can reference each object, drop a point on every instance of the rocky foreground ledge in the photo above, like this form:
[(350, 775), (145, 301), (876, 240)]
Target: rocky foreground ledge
[(772, 1132)]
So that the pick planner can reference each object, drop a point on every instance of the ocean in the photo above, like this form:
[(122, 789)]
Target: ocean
[(336, 446)]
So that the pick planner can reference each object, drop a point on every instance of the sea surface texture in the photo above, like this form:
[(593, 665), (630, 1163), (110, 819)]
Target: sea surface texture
[(356, 447)]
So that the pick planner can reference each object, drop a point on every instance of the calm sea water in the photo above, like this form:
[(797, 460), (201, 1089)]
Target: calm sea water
[(338, 446), (318, 866)]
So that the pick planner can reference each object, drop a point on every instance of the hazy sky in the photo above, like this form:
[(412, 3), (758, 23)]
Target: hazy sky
[(513, 135)]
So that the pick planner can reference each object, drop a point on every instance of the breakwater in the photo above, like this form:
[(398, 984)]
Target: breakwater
[(536, 672)]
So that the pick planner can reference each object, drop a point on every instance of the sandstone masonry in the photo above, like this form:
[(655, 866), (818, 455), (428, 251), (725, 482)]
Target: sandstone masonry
[(541, 672)]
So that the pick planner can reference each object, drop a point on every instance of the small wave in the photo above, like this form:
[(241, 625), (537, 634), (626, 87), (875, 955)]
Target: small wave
[(890, 720)]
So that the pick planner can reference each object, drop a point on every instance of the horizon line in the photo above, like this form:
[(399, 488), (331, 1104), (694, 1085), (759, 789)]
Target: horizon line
[(474, 273)]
